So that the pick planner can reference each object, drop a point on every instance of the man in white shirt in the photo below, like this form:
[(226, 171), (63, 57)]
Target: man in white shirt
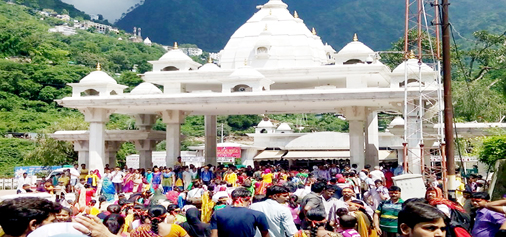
[(331, 203), (377, 174), (23, 180), (278, 215), (117, 179)]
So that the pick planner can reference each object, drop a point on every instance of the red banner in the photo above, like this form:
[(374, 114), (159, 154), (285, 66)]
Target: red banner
[(234, 152)]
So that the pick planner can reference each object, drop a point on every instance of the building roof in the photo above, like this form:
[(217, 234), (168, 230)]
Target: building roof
[(175, 55), (98, 77), (287, 40), (146, 88), (320, 140)]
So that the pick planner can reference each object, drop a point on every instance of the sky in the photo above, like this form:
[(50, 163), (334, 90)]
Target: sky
[(110, 9)]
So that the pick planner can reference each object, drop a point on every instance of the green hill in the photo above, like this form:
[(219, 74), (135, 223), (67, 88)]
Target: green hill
[(56, 5), (209, 24)]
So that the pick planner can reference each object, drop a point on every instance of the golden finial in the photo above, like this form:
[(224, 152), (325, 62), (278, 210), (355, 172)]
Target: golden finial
[(295, 15), (175, 45), (270, 12), (355, 37), (245, 62), (266, 28), (412, 55), (210, 60), (313, 31), (98, 67)]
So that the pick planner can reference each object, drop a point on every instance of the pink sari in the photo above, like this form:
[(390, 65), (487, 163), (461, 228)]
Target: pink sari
[(128, 183)]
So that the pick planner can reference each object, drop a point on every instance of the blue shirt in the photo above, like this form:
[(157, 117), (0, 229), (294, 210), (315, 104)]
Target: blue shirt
[(206, 175), (238, 222)]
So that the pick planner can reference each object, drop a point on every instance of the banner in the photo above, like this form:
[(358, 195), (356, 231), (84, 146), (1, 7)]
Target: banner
[(33, 170), (229, 152)]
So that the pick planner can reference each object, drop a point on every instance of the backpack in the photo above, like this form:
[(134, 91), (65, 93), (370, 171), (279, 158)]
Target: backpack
[(461, 219)]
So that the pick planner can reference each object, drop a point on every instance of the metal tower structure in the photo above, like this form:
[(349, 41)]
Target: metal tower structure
[(423, 130)]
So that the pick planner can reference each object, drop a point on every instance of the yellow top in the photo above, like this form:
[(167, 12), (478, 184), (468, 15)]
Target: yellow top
[(175, 45), (355, 37), (412, 55), (98, 67), (313, 31), (295, 15), (267, 178)]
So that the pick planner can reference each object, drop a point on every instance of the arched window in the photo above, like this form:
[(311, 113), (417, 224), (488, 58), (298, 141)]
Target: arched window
[(262, 50), (170, 68), (263, 131), (353, 61), (90, 92), (242, 88)]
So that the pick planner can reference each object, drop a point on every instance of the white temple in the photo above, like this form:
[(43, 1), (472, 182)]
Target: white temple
[(271, 64)]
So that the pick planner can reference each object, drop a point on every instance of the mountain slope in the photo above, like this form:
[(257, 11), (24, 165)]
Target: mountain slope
[(56, 5), (209, 24)]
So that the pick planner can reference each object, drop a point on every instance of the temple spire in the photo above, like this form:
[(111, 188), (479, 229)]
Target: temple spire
[(412, 54), (295, 14), (313, 31), (355, 37), (175, 45), (99, 68)]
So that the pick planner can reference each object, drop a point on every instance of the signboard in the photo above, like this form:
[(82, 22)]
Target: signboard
[(464, 159), (193, 159), (225, 159), (159, 160), (229, 152), (412, 185), (132, 161)]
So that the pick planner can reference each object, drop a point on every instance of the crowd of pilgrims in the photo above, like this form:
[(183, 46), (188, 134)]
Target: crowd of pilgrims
[(210, 201)]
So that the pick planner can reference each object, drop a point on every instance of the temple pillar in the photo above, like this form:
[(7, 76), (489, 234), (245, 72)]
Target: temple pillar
[(97, 118), (173, 119), (210, 131), (145, 149), (82, 148), (356, 118), (372, 139), (111, 149), (145, 121)]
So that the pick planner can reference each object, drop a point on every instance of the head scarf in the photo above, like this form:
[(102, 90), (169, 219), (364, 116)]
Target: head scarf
[(438, 200), (194, 226), (97, 173)]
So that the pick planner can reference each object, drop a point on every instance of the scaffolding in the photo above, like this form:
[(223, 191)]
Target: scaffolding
[(423, 113)]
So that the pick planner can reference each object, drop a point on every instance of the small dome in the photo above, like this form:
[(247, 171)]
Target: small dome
[(398, 121), (412, 67), (147, 41), (146, 88), (98, 77), (265, 123), (284, 127), (329, 48), (355, 48), (175, 55), (208, 67), (246, 73)]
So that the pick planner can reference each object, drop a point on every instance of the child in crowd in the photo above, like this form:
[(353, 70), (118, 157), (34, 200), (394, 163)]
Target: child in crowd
[(348, 224)]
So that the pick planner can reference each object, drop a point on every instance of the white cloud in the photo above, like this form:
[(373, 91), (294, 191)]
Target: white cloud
[(110, 9)]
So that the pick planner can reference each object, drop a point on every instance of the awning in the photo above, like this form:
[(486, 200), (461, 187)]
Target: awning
[(269, 155), (385, 155), (317, 155)]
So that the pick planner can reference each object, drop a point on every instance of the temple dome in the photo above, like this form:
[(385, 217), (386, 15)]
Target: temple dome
[(98, 77), (209, 67), (265, 123), (273, 38), (246, 73), (354, 50), (175, 55), (412, 67), (284, 127), (146, 88)]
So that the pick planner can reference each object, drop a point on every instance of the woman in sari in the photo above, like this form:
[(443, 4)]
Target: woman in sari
[(137, 179), (108, 188), (128, 182)]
